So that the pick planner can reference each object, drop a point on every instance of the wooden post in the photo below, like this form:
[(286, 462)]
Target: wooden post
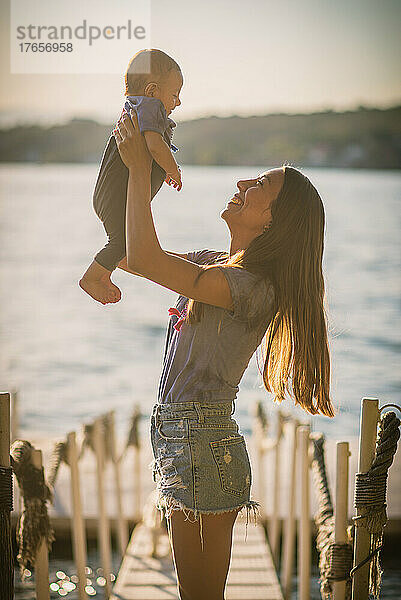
[(137, 483), (258, 438), (14, 436), (341, 509), (367, 445), (78, 527), (289, 524), (135, 444), (103, 522), (122, 525), (42, 558), (274, 534), (4, 429), (14, 415), (7, 561), (304, 537)]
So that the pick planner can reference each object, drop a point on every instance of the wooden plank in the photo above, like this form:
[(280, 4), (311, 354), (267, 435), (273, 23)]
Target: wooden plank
[(243, 563), (252, 575), (251, 592), (143, 577), (147, 593)]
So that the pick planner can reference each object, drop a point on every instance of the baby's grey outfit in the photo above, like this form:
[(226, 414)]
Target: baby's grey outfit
[(201, 463), (110, 195)]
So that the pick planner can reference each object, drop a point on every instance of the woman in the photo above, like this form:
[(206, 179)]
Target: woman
[(269, 285)]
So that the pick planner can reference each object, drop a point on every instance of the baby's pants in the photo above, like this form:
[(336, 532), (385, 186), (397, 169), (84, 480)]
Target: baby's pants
[(110, 200)]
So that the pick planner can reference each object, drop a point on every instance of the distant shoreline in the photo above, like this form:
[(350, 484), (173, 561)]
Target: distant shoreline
[(366, 138)]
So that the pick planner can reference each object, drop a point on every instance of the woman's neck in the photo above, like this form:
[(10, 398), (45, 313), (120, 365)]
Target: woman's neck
[(241, 240)]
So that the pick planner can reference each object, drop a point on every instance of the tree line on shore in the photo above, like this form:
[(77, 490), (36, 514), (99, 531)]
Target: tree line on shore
[(363, 138)]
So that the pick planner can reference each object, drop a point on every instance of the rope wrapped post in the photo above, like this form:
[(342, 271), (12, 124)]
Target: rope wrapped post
[(14, 436), (122, 525), (34, 533), (78, 527), (367, 444), (6, 501), (370, 502), (335, 559), (259, 429), (274, 532), (287, 560), (304, 537), (42, 556), (341, 512), (103, 522)]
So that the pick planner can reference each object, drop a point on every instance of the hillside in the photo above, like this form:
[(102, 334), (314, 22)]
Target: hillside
[(365, 138)]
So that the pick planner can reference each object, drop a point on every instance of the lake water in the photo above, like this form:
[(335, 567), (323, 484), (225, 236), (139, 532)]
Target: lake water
[(72, 358)]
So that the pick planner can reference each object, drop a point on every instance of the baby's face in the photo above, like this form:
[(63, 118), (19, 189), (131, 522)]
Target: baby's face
[(168, 91)]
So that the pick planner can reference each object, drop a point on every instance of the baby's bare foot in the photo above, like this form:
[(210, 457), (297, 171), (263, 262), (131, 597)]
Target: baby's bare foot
[(114, 293), (102, 291)]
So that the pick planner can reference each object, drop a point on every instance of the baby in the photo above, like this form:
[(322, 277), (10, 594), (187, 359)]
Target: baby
[(153, 82)]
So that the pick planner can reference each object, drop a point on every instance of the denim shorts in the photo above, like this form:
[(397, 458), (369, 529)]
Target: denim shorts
[(201, 463)]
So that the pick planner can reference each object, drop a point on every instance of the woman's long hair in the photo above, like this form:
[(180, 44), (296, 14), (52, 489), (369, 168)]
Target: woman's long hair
[(289, 254)]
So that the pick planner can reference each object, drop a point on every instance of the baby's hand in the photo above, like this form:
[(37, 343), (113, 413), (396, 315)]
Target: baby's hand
[(174, 179)]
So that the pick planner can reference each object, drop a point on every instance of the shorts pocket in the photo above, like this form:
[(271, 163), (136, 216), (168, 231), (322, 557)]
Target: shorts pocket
[(173, 430), (231, 457)]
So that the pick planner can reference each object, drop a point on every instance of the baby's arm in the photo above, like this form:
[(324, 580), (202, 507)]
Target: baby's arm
[(163, 155)]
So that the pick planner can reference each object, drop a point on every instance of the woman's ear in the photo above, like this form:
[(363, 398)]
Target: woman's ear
[(150, 89)]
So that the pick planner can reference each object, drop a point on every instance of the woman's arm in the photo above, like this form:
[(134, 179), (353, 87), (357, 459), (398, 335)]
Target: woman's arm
[(144, 253), (124, 266)]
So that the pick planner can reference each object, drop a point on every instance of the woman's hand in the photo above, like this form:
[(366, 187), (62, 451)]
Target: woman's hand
[(131, 143)]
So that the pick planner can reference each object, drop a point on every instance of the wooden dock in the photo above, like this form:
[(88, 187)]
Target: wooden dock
[(60, 511), (112, 501), (251, 577)]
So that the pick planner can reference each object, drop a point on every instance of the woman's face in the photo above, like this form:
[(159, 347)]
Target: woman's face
[(250, 207)]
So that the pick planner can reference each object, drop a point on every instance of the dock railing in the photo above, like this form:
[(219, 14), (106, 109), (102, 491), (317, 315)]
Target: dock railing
[(34, 533), (348, 551)]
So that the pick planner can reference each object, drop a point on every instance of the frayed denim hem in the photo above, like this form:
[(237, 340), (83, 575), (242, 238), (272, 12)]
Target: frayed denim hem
[(167, 504)]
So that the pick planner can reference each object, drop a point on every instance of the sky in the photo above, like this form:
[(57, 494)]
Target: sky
[(244, 58)]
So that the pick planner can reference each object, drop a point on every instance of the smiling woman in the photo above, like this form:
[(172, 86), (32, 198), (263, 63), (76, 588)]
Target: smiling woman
[(269, 285), (288, 251), (252, 213)]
